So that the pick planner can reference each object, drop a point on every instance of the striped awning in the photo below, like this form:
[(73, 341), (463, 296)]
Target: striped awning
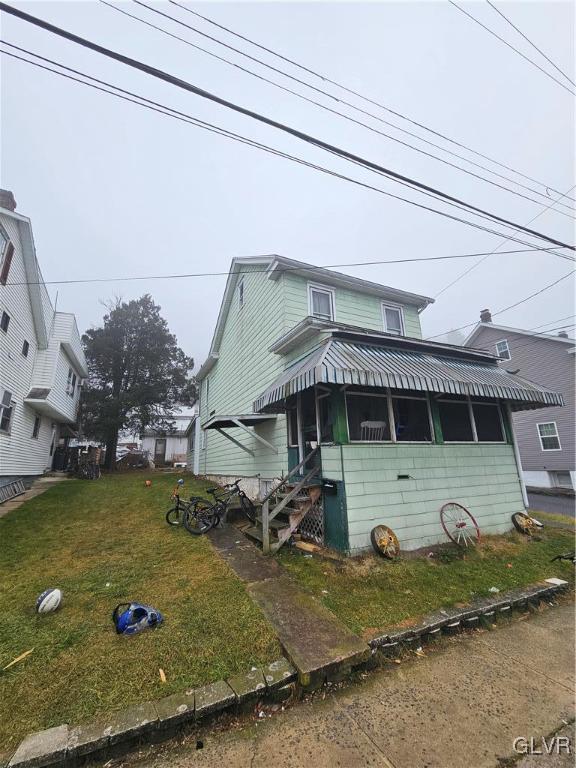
[(369, 365)]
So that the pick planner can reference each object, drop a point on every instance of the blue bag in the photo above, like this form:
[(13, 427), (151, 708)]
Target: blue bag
[(135, 617)]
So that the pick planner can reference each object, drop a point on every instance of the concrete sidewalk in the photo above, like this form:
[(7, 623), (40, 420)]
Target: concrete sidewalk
[(460, 706)]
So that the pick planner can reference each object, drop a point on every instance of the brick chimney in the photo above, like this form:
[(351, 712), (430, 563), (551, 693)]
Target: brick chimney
[(7, 200), (563, 334), (485, 316)]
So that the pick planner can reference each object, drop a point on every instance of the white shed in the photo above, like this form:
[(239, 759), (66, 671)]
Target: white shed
[(169, 446)]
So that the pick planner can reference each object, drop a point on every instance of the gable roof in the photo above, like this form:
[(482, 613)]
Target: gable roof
[(506, 329), (33, 275), (278, 265)]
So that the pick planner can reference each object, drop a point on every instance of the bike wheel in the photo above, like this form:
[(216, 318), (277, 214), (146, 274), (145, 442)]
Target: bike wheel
[(459, 525), (385, 542), (199, 518), (173, 516), (248, 508)]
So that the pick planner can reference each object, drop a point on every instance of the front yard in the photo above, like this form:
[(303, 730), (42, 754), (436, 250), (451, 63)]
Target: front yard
[(369, 593), (104, 543)]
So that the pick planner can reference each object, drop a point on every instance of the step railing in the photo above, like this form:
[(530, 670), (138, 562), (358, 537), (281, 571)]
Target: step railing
[(268, 515)]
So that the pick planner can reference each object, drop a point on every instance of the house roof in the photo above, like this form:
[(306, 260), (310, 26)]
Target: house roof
[(405, 366), (506, 329), (276, 266), (33, 275)]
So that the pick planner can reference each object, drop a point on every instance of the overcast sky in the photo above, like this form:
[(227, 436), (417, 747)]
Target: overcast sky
[(115, 190)]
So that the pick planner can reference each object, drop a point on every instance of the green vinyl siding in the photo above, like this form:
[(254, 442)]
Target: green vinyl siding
[(481, 477), (351, 307)]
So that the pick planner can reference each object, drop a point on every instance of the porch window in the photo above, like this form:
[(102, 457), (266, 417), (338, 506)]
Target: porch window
[(368, 418), (325, 419), (411, 420), (393, 319), (489, 428), (293, 427), (321, 302), (455, 420)]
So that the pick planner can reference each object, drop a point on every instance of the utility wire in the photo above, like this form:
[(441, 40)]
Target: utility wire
[(185, 85), (494, 34), (183, 117), (329, 109), (540, 51), (551, 322), (505, 240), (367, 100), (511, 306)]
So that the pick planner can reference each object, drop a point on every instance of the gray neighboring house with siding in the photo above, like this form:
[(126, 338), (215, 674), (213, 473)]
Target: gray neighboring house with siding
[(545, 437)]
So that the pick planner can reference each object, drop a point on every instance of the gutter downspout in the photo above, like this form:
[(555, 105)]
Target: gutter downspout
[(517, 456)]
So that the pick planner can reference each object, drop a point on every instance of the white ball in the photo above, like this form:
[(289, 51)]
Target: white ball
[(48, 601)]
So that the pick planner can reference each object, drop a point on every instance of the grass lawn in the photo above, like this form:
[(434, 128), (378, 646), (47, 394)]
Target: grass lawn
[(104, 543), (371, 593)]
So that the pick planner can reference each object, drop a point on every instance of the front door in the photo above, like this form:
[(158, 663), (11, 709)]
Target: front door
[(159, 450)]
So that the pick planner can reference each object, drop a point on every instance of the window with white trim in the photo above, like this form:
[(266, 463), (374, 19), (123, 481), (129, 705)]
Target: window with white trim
[(71, 383), (549, 438), (5, 321), (393, 319), (321, 302), (503, 350), (36, 429), (6, 410), (6, 254)]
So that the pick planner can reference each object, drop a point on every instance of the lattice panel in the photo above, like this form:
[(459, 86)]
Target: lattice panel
[(312, 525)]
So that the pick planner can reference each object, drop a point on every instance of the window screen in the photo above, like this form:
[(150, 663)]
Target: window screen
[(321, 304), (393, 320), (455, 421), (549, 436), (326, 420), (5, 411), (367, 418), (411, 420), (488, 423)]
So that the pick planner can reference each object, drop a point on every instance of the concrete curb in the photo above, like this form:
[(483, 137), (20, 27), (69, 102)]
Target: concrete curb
[(453, 620), (156, 720)]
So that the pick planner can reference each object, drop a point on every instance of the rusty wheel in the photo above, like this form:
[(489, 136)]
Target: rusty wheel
[(524, 523), (459, 525), (385, 542)]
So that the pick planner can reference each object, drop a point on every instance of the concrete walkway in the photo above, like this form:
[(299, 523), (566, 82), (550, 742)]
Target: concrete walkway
[(460, 706), (38, 487), (312, 637)]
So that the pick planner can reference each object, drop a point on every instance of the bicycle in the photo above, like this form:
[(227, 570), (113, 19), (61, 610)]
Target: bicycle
[(89, 470), (202, 508), (182, 510)]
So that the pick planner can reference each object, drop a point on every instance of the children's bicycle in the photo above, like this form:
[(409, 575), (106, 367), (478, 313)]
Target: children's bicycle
[(203, 509), (195, 520)]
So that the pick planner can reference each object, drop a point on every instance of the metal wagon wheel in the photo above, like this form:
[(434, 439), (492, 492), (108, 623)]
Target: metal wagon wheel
[(524, 523), (385, 542), (459, 525)]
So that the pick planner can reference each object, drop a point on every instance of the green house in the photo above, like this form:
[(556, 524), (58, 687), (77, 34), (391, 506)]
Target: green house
[(326, 376)]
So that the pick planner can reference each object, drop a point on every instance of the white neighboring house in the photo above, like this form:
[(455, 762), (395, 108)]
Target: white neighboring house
[(170, 446), (42, 363)]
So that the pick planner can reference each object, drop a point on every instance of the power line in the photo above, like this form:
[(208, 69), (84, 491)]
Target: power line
[(325, 107), (540, 51), (183, 117), (368, 100), (511, 306), (185, 85), (551, 322), (509, 45), (505, 240)]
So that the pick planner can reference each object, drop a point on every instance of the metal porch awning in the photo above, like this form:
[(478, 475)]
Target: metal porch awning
[(222, 422), (371, 365)]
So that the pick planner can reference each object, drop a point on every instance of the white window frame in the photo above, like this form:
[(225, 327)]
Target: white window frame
[(71, 382), (37, 423), (503, 341), (387, 305), (241, 293), (557, 436), (8, 407), (322, 289), (2, 315)]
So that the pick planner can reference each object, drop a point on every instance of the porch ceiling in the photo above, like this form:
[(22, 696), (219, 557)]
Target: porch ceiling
[(338, 361)]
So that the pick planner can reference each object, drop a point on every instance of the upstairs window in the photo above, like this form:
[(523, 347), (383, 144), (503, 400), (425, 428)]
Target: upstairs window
[(321, 302), (549, 438), (25, 348), (6, 409), (241, 293), (36, 429), (71, 383), (393, 319), (6, 253), (5, 322), (503, 350)]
